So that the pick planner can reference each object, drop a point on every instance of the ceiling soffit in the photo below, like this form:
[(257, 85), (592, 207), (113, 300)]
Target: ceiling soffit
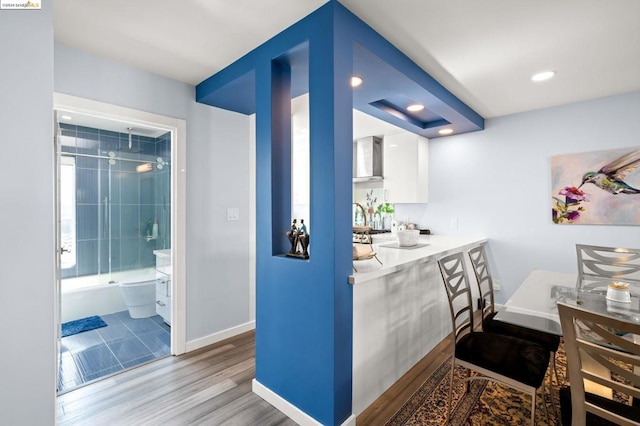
[(391, 81)]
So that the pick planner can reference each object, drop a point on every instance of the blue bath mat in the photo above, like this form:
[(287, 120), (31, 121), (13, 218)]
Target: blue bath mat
[(85, 324)]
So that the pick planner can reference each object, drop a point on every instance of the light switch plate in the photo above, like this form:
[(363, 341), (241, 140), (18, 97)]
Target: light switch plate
[(233, 213), (453, 222)]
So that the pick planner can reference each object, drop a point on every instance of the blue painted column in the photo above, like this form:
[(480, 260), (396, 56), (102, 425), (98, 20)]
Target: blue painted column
[(304, 307), (331, 123)]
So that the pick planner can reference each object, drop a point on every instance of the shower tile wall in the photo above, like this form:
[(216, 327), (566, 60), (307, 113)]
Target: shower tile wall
[(134, 199)]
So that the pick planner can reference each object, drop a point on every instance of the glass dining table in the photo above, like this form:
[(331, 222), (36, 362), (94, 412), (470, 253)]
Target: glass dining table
[(534, 304)]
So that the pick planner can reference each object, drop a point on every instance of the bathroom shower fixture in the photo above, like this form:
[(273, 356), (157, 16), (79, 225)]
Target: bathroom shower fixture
[(130, 148)]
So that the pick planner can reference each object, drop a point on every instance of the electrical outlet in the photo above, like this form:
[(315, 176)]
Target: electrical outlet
[(453, 223), (496, 285)]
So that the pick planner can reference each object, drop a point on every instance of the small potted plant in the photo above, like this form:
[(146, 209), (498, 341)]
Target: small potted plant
[(385, 210)]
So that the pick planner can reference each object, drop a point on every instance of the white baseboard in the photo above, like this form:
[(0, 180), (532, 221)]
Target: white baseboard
[(290, 410), (192, 345), (351, 421)]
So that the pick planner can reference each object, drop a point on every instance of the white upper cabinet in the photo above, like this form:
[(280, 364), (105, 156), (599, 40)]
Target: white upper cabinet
[(406, 171)]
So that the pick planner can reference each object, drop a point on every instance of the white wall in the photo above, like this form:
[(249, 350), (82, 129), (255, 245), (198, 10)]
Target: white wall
[(497, 184), (217, 250), (27, 359)]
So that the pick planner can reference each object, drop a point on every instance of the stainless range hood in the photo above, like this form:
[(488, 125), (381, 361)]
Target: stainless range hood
[(367, 159)]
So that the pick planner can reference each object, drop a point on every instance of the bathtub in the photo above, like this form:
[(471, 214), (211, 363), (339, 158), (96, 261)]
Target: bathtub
[(95, 295)]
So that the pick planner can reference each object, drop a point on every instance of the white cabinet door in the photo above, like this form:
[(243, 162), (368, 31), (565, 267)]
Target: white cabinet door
[(163, 297), (406, 174)]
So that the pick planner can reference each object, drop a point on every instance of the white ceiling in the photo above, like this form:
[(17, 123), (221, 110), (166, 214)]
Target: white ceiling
[(484, 52)]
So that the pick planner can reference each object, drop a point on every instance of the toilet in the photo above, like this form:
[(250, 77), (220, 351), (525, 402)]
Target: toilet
[(140, 296)]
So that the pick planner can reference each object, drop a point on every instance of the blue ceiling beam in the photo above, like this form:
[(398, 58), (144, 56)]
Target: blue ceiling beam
[(388, 75)]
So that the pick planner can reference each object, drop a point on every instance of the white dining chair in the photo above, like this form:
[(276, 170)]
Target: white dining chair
[(609, 343)]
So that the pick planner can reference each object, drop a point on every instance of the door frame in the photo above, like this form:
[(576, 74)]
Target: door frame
[(177, 127)]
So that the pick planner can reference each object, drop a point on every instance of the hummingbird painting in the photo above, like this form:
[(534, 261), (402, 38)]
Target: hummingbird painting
[(611, 177)]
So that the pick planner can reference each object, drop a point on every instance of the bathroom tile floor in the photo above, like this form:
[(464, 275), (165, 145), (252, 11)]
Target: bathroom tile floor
[(124, 343)]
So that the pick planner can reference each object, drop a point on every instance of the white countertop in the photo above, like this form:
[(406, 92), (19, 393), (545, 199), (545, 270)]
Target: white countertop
[(395, 259)]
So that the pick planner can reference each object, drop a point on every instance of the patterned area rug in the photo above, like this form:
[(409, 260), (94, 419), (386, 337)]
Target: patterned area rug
[(486, 403)]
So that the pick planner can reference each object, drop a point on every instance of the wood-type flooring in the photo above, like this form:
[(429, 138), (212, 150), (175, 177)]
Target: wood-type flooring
[(210, 386)]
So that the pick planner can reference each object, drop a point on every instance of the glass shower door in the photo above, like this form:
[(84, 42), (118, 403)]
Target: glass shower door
[(67, 215), (115, 201)]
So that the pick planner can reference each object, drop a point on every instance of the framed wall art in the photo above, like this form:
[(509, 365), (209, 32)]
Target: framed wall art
[(599, 187)]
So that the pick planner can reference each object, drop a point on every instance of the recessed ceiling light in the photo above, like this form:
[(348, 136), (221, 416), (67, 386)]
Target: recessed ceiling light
[(445, 131), (542, 76), (356, 81), (415, 107), (66, 117)]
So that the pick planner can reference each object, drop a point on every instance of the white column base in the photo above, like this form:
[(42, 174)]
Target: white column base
[(290, 410)]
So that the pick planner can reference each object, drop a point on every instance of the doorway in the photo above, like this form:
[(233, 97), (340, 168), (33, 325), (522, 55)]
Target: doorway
[(120, 301)]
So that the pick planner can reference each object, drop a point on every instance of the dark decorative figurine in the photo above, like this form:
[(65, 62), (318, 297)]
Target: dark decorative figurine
[(299, 239)]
